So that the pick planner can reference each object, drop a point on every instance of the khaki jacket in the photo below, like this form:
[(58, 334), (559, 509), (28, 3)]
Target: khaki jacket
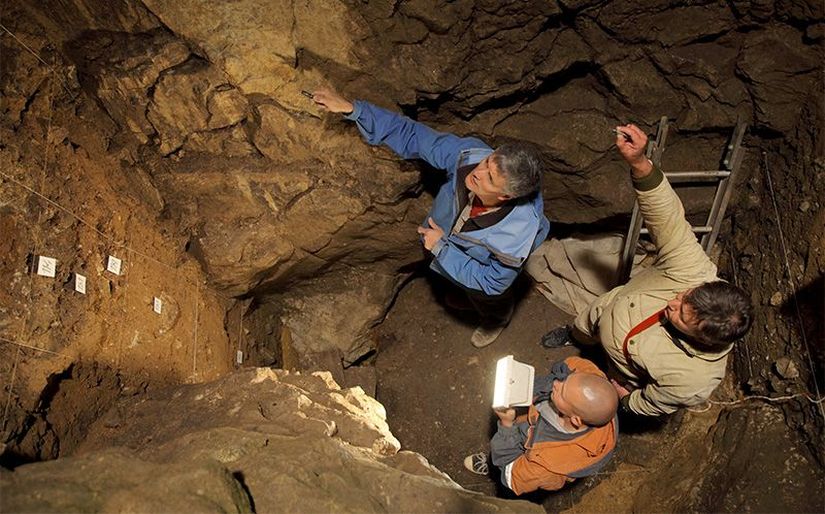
[(676, 374)]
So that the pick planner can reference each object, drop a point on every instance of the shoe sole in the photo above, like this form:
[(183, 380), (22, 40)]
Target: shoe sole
[(468, 465)]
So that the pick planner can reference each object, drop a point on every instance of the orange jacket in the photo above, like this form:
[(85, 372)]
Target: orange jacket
[(549, 463)]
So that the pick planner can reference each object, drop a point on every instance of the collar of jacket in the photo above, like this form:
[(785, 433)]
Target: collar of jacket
[(692, 351)]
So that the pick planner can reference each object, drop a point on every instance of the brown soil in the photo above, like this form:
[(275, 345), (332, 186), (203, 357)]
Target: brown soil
[(66, 194)]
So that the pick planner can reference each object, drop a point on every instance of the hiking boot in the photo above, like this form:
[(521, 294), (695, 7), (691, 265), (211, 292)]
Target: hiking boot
[(489, 330), (484, 336), (477, 463), (558, 337)]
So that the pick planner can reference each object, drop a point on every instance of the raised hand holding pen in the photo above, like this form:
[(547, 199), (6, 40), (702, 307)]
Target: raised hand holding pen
[(631, 142), (330, 100)]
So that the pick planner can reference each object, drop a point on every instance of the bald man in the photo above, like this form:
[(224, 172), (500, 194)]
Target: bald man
[(569, 432)]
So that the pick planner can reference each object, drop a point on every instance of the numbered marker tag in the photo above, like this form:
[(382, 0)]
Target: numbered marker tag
[(239, 357), (79, 283), (157, 305), (113, 265), (46, 266)]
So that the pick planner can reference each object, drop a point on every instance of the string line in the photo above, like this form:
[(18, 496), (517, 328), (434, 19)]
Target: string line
[(791, 282)]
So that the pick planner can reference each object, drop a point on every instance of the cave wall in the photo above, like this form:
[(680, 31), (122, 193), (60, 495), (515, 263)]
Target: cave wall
[(265, 189), (777, 251), (271, 193), (67, 192)]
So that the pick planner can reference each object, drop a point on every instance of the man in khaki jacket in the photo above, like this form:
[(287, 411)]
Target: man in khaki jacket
[(669, 330)]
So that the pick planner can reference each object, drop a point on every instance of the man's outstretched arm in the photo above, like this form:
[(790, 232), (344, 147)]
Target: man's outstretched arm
[(678, 250), (409, 139)]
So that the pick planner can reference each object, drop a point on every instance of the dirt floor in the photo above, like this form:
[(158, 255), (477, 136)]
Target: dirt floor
[(437, 388)]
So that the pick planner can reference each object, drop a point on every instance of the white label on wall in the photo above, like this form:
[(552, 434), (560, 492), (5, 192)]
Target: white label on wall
[(239, 357), (113, 265), (79, 283), (46, 266), (157, 305)]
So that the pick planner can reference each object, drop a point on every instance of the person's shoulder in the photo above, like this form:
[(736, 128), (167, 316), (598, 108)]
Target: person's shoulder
[(677, 363), (471, 149), (582, 365)]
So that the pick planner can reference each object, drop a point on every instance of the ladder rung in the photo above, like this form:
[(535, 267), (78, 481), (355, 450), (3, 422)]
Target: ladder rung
[(696, 230), (696, 176)]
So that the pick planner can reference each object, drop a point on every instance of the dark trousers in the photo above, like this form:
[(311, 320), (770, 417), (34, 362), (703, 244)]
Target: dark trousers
[(494, 311)]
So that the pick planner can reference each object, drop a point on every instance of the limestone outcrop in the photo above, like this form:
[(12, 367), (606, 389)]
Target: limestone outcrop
[(261, 440)]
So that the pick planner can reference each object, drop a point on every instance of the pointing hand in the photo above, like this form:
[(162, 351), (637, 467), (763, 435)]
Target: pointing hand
[(330, 100), (631, 142)]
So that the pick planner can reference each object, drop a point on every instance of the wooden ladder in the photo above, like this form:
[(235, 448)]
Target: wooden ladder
[(722, 178)]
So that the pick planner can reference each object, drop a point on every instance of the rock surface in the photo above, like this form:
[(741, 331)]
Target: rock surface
[(260, 440), (271, 192), (778, 253), (90, 484), (743, 458)]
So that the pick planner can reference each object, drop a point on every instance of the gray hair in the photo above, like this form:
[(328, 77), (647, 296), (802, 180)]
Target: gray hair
[(521, 165)]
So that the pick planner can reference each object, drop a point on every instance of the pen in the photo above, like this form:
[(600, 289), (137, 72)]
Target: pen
[(622, 133)]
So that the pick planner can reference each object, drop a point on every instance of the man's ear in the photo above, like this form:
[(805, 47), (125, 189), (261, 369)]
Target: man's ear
[(576, 421), (504, 198)]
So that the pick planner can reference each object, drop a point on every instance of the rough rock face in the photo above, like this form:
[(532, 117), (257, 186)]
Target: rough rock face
[(66, 193), (270, 192), (265, 189), (88, 484), (261, 440), (779, 247), (729, 459)]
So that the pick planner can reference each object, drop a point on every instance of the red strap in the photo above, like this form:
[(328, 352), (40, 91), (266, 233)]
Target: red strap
[(478, 208), (641, 327)]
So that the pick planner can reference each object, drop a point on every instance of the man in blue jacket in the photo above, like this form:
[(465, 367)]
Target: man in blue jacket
[(485, 220)]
